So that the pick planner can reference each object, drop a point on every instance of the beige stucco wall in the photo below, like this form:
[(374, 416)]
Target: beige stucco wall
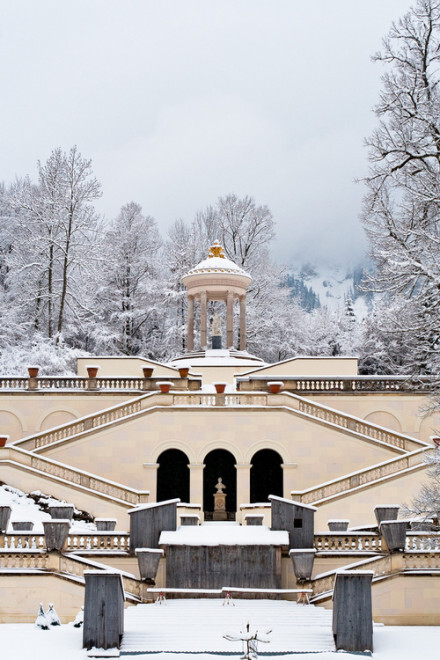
[(124, 452), (407, 600), (310, 366), (114, 367)]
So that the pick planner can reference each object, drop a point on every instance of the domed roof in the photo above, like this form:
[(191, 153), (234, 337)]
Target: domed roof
[(216, 263)]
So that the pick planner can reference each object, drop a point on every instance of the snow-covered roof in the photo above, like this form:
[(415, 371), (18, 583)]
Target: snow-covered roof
[(300, 504), (153, 505), (224, 534), (217, 265)]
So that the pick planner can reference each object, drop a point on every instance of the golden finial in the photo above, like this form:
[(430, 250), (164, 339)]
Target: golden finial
[(216, 250)]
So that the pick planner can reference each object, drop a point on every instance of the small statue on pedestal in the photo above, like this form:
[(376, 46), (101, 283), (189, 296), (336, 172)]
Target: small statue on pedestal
[(220, 501)]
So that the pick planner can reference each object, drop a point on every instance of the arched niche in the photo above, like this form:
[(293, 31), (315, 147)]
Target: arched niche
[(173, 475), (385, 419), (266, 475), (220, 463), (10, 425), (56, 418)]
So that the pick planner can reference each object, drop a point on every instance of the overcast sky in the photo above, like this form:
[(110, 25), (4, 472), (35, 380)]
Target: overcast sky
[(178, 102)]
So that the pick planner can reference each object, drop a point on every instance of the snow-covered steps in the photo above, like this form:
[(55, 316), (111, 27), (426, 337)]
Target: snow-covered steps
[(198, 626)]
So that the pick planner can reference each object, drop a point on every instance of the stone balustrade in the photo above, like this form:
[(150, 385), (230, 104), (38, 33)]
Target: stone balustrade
[(22, 541), (98, 541), (341, 384), (422, 542), (348, 542), (123, 383)]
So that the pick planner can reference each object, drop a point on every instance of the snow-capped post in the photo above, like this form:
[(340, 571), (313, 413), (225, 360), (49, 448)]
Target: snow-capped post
[(148, 561), (55, 534), (105, 524), (147, 521), (296, 518), (338, 525), (103, 610), (386, 512), (302, 561), (92, 372), (5, 514), (61, 511), (4, 440), (33, 375), (352, 611), (394, 534)]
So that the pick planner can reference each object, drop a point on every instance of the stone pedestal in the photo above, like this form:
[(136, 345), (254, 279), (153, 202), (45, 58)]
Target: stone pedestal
[(220, 507), (148, 561)]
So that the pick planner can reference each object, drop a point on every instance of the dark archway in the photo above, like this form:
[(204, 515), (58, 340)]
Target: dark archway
[(173, 475), (266, 475), (220, 463)]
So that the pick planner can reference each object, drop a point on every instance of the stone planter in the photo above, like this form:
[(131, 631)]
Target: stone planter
[(33, 372), (147, 371), (191, 519), (148, 561), (5, 514), (386, 512), (164, 386), (275, 386), (421, 525), (61, 511), (254, 518), (56, 533), (22, 525), (338, 525), (3, 440), (394, 533), (105, 524), (183, 372), (302, 560), (92, 371), (220, 387)]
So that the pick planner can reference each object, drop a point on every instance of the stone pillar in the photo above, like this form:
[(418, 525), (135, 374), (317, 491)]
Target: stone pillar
[(243, 323), (243, 484), (196, 483), (230, 320), (203, 320), (151, 479), (190, 327), (289, 478)]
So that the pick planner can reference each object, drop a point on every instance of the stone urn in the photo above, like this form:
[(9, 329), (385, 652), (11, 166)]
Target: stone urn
[(394, 533), (302, 560), (61, 511), (148, 561), (56, 533), (275, 386), (386, 512), (183, 372), (33, 372), (5, 514), (92, 371), (147, 371), (220, 387), (22, 525), (338, 525), (105, 524), (164, 386), (3, 440)]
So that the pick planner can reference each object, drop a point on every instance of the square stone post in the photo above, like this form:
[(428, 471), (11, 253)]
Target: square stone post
[(203, 320), (243, 323), (151, 478), (230, 320), (190, 336), (243, 485)]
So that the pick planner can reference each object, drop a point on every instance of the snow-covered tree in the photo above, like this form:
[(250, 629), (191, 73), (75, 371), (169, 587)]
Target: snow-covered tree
[(402, 206), (427, 501)]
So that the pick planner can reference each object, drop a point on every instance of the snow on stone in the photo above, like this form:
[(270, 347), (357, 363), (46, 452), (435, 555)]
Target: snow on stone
[(224, 534)]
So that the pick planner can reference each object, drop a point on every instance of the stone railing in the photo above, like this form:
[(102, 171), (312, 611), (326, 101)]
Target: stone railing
[(14, 383), (123, 383), (422, 541), (341, 384), (236, 399), (421, 561), (358, 426), (348, 542), (76, 566), (98, 541), (24, 560), (360, 478), (22, 541)]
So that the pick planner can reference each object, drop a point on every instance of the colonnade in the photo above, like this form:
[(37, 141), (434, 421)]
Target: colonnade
[(203, 297)]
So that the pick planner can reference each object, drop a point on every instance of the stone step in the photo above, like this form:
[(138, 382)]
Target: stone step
[(198, 626)]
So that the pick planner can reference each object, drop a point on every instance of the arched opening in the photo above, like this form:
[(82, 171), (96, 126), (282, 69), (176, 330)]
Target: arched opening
[(266, 475), (219, 463), (173, 475)]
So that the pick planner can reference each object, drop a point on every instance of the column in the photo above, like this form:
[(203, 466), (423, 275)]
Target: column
[(151, 479), (243, 485), (243, 323), (196, 483), (203, 320), (289, 481), (230, 320), (190, 328)]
